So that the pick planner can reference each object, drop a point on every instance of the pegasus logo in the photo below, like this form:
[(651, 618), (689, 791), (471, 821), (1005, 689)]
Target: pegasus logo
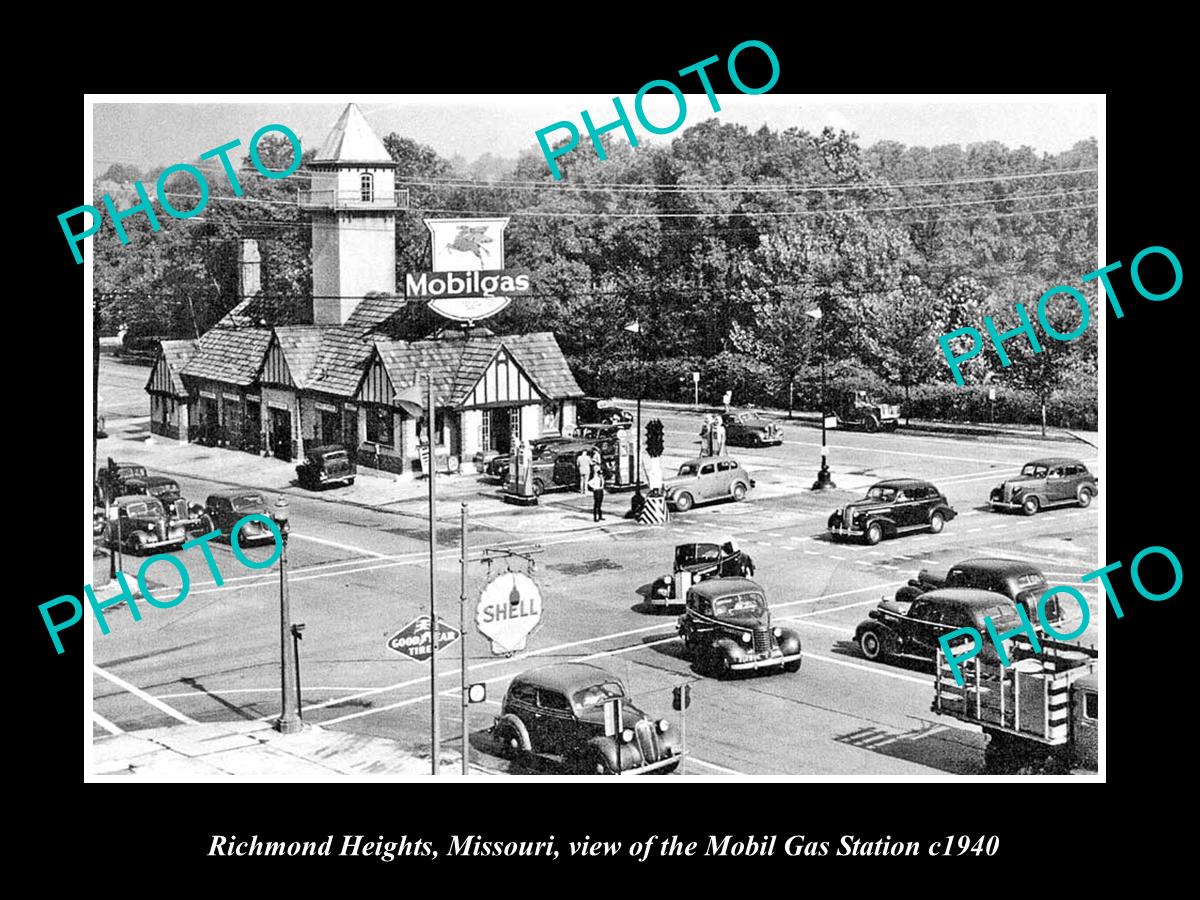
[(471, 240)]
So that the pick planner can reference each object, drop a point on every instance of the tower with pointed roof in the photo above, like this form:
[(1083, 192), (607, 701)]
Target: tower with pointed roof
[(353, 201)]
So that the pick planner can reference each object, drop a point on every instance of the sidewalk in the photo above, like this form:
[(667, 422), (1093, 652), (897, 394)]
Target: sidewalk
[(974, 429), (255, 750)]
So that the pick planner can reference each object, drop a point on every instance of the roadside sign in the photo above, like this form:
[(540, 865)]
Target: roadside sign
[(681, 697), (509, 608), (831, 421), (414, 640), (991, 393), (696, 377), (612, 717)]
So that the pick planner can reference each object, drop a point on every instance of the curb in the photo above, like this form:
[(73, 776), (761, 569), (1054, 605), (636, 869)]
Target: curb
[(812, 420)]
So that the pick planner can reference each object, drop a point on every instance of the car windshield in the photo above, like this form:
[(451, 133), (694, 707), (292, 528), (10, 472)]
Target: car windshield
[(335, 455), (1033, 470), (886, 494), (168, 487), (148, 507), (687, 469), (598, 694), (247, 501), (1003, 617), (739, 603)]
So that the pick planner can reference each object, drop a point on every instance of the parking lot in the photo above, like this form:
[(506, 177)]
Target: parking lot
[(359, 571)]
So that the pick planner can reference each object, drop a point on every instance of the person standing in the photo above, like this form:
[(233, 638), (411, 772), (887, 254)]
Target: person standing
[(596, 485), (583, 464), (719, 440)]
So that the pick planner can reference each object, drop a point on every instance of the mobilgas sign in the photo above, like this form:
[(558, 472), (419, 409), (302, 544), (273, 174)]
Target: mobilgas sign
[(468, 281)]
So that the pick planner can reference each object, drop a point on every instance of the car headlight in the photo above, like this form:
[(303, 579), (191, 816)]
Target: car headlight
[(627, 735), (778, 632), (663, 725), (745, 637)]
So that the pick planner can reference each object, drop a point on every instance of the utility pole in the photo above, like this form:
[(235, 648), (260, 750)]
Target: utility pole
[(289, 717), (433, 633), (462, 630)]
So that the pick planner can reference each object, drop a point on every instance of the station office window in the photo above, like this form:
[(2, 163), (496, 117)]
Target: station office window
[(379, 425), (368, 187)]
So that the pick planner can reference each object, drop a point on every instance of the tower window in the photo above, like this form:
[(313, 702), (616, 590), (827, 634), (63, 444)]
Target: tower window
[(368, 187)]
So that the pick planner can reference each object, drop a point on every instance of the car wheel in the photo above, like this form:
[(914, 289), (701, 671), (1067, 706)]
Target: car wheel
[(137, 546), (683, 501), (739, 491), (349, 481), (871, 644), (206, 525), (508, 742), (792, 667), (936, 522), (872, 424), (1085, 497), (539, 487), (1030, 506), (724, 666), (874, 533)]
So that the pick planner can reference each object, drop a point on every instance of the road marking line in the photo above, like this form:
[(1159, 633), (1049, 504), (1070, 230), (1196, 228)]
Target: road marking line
[(340, 546), (520, 657), (812, 552), (708, 765), (842, 558), (259, 690), (844, 629), (972, 530), (105, 724), (821, 612), (927, 682), (142, 695)]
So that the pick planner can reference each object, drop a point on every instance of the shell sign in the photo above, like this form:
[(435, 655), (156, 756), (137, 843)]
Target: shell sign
[(468, 281), (509, 609)]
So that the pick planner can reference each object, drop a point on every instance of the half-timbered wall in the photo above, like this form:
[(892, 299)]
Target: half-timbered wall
[(502, 384)]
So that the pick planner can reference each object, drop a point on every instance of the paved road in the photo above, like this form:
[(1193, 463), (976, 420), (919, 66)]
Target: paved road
[(357, 574)]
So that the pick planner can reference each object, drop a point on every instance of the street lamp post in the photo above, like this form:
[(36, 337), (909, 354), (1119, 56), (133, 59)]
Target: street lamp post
[(435, 734), (289, 721), (824, 481)]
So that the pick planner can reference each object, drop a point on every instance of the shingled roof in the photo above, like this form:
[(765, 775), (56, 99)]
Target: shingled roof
[(340, 363), (260, 311), (372, 312), (176, 355), (301, 346), (231, 355), (457, 365)]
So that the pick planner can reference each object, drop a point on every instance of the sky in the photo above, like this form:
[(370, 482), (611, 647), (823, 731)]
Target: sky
[(148, 134)]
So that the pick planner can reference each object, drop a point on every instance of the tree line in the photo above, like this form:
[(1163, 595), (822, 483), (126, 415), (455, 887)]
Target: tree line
[(722, 244)]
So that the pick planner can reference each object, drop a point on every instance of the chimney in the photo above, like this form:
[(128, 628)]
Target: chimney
[(249, 269)]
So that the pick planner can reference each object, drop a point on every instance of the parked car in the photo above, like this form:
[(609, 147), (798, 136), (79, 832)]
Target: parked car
[(892, 508), (189, 515), (140, 524), (726, 628), (223, 509), (558, 710), (858, 409), (912, 628), (326, 466), (556, 468), (498, 466), (589, 409), (707, 478), (1043, 483), (606, 437), (1020, 582), (113, 482), (745, 430)]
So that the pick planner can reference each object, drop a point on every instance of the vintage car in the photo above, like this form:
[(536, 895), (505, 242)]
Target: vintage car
[(694, 562), (744, 430), (99, 514), (325, 466), (606, 437), (588, 409), (559, 710), (707, 478), (892, 508), (1019, 581), (858, 409), (112, 483), (1054, 481), (139, 524), (189, 515), (556, 468), (726, 628), (223, 509), (912, 628), (498, 466)]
